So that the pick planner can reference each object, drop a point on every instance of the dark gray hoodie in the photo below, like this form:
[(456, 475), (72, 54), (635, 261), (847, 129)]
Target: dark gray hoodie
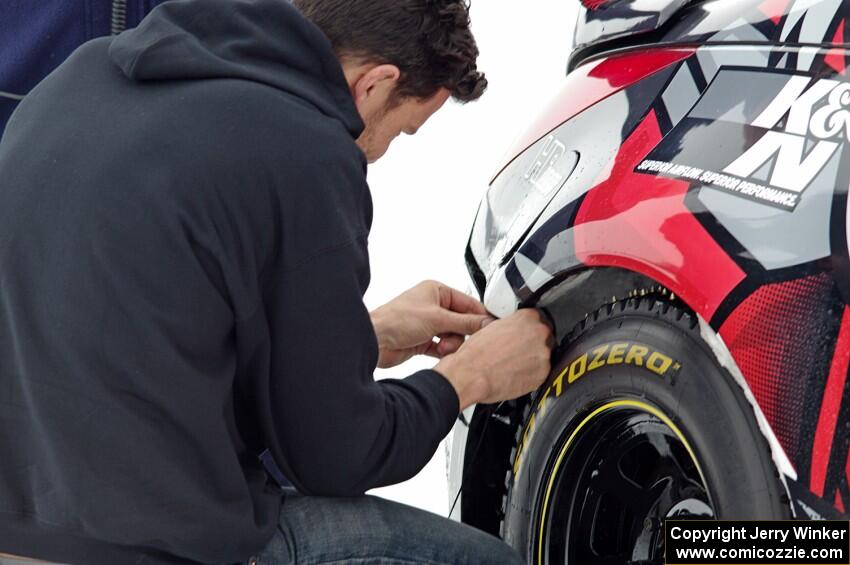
[(183, 254)]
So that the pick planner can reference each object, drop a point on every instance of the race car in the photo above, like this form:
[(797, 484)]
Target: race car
[(680, 213)]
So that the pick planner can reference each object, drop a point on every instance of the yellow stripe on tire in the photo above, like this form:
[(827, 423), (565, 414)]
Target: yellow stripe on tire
[(642, 406)]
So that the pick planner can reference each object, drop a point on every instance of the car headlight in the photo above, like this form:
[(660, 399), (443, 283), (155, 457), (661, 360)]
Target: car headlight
[(516, 199)]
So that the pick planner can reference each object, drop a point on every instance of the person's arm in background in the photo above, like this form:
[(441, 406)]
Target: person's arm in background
[(36, 37)]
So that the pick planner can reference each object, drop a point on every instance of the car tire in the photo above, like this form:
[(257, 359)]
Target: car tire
[(638, 423)]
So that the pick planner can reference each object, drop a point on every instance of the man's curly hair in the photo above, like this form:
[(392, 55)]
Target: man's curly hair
[(428, 40)]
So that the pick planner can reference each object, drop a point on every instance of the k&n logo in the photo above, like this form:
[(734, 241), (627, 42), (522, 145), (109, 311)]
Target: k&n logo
[(764, 135), (827, 127)]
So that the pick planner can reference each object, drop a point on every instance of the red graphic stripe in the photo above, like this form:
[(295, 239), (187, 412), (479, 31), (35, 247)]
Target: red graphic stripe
[(836, 58), (829, 407), (640, 222), (774, 9)]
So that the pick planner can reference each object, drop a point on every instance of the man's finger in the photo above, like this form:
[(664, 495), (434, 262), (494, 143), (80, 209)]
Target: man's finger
[(432, 350), (545, 319), (457, 301), (461, 324), (449, 344)]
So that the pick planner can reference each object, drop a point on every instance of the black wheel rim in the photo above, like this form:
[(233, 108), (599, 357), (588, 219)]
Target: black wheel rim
[(611, 484)]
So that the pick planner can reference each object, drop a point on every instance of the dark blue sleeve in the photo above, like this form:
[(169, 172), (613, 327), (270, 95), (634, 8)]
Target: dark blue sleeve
[(36, 37)]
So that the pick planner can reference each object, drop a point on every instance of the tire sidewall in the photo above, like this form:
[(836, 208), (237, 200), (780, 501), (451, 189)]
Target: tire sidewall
[(699, 396)]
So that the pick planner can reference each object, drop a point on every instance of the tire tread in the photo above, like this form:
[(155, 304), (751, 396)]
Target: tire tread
[(658, 307)]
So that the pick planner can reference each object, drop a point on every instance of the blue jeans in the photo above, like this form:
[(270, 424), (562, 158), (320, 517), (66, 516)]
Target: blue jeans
[(372, 531)]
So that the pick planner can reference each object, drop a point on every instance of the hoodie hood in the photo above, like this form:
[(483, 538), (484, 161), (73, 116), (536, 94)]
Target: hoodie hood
[(266, 41)]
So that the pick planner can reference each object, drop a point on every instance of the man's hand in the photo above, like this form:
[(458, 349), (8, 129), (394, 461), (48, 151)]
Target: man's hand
[(505, 360), (408, 325)]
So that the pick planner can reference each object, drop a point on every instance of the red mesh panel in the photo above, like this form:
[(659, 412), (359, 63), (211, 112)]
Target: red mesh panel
[(830, 407), (778, 337)]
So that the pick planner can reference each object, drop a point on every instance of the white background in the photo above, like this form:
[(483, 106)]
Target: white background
[(426, 189)]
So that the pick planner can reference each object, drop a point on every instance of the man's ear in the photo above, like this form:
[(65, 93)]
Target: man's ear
[(372, 87)]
